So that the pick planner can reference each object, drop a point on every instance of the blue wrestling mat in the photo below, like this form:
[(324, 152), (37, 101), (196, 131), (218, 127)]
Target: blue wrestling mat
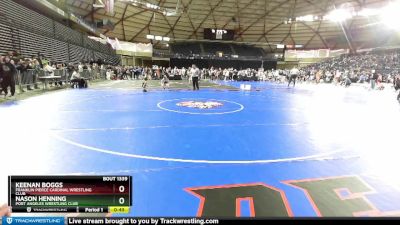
[(273, 151)]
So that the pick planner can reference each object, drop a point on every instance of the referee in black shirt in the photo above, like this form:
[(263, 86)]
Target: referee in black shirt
[(195, 72)]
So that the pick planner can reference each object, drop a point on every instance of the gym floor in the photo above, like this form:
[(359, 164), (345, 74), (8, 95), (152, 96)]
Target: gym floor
[(272, 151)]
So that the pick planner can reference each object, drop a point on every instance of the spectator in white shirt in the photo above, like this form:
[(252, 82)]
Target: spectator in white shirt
[(49, 69), (76, 80), (80, 68), (50, 72)]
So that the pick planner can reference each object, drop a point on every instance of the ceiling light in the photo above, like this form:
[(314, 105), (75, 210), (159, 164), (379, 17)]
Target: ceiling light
[(308, 18), (368, 12), (390, 15), (280, 46), (338, 15)]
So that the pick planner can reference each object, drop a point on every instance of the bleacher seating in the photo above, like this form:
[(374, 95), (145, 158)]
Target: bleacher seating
[(31, 33), (213, 48), (210, 50), (246, 50), (24, 17), (78, 53), (6, 40), (67, 34), (32, 43), (108, 58), (186, 48), (89, 43)]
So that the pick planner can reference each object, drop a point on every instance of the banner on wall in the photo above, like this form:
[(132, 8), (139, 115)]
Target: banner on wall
[(127, 48), (318, 53)]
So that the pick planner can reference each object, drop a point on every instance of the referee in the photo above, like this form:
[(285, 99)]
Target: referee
[(195, 72), (293, 76)]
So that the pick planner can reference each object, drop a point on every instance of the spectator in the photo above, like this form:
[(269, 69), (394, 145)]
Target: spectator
[(373, 80), (76, 79), (7, 76), (144, 84), (1, 64), (80, 68), (397, 85), (5, 211), (35, 66), (195, 73), (293, 76), (165, 82)]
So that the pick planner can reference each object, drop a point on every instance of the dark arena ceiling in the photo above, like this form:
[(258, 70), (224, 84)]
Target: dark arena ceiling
[(260, 22)]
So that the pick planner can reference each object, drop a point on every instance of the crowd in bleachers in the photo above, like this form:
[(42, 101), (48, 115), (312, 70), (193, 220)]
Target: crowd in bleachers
[(175, 73), (360, 67), (317, 73), (310, 74), (372, 69), (375, 70)]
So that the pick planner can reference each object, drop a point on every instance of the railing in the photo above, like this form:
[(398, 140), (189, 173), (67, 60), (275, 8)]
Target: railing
[(32, 78)]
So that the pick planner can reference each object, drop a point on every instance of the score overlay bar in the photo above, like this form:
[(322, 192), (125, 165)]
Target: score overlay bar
[(68, 193)]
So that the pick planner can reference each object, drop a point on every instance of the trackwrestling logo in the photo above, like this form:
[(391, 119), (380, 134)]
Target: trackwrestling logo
[(34, 220)]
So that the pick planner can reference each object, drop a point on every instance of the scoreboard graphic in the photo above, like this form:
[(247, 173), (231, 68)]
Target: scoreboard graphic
[(219, 34), (85, 194)]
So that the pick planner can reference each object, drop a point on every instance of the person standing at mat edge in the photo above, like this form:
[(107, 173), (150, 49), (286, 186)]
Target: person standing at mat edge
[(396, 83), (144, 84), (7, 76), (293, 76), (195, 73)]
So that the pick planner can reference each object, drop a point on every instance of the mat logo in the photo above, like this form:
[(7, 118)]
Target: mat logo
[(328, 197), (200, 105), (9, 220)]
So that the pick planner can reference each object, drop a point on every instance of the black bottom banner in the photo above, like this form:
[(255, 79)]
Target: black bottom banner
[(212, 221)]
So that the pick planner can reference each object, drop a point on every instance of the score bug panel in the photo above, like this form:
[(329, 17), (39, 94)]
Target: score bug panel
[(69, 193)]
